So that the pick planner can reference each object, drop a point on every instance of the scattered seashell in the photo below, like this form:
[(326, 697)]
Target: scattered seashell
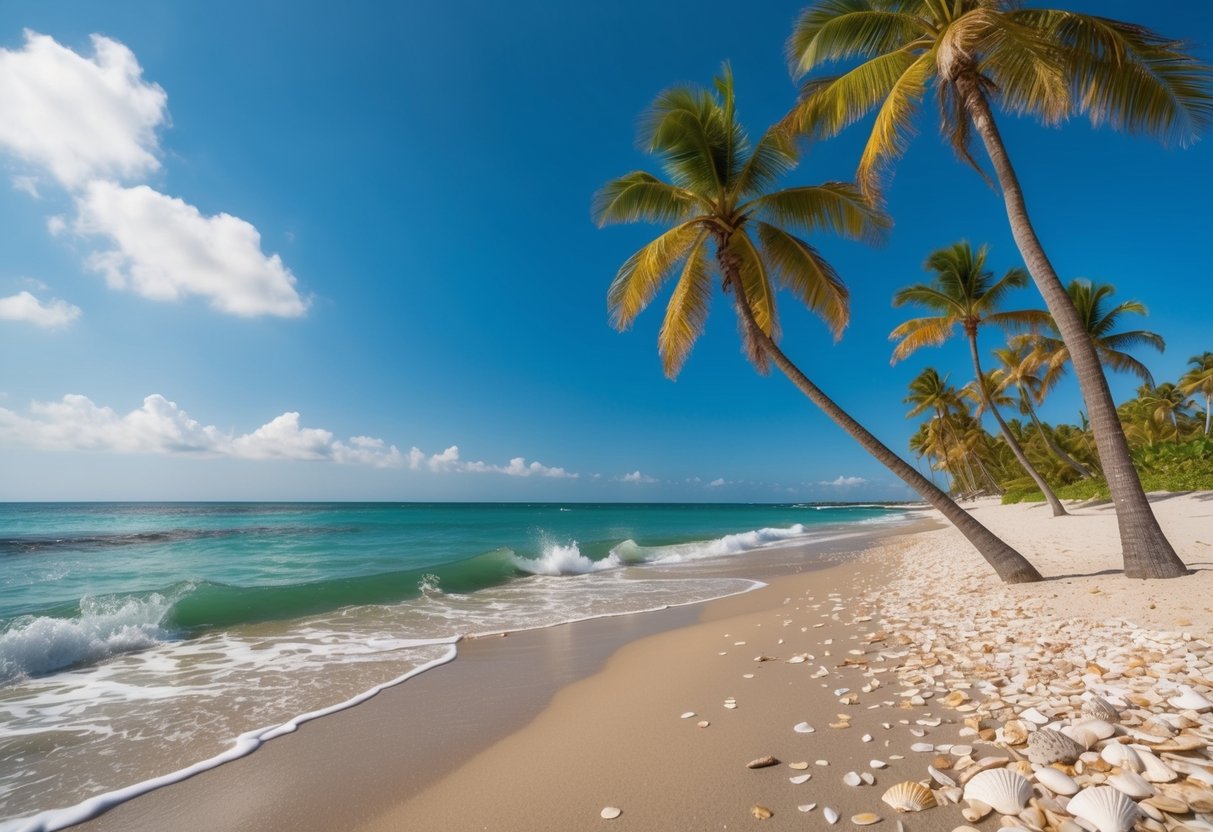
[(1131, 783), (866, 738), (851, 778), (909, 797), (923, 747), (688, 715), (1100, 708), (806, 807), (1004, 790), (866, 777), (878, 764), (610, 812), (1104, 807), (1056, 781), (761, 812), (1155, 770), (803, 728), (703, 723), (1167, 803), (1047, 746), (831, 815), (821, 762), (1121, 755), (939, 777), (975, 811), (762, 762), (1034, 716), (865, 819), (800, 778), (1015, 732), (801, 766), (1190, 700)]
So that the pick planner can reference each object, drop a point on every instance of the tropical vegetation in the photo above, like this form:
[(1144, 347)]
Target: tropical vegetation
[(981, 55), (728, 222)]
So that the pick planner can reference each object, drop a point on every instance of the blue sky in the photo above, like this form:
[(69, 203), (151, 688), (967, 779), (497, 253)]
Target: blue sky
[(213, 217)]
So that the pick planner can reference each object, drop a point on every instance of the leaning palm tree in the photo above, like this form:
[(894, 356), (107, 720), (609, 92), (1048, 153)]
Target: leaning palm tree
[(1199, 379), (1047, 63), (1019, 367), (725, 211), (965, 294), (930, 391), (1101, 322)]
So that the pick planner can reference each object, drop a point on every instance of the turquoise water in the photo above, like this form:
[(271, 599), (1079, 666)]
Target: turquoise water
[(139, 638)]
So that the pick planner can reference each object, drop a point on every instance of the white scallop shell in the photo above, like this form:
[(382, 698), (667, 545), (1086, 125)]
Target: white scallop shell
[(1056, 781), (1106, 808), (831, 815), (802, 728), (1190, 700), (909, 797), (1121, 755), (1132, 784), (1155, 770), (1005, 790)]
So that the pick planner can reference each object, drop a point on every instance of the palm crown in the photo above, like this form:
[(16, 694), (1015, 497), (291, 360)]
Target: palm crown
[(1048, 63), (719, 196)]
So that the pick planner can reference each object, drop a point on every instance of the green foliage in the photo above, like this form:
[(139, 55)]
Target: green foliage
[(1169, 466)]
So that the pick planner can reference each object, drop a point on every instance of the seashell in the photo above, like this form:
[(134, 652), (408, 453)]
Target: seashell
[(1015, 732), (865, 819), (1199, 798), (761, 812), (975, 811), (1167, 803), (851, 779), (1004, 790), (1047, 746), (866, 738), (831, 815), (1104, 807), (800, 778), (803, 728), (1182, 742), (1100, 708), (1056, 781), (703, 723), (1100, 727), (1131, 783), (1122, 756), (610, 812), (866, 777), (762, 762), (955, 698), (939, 777), (922, 747), (806, 807), (1082, 735), (688, 715), (943, 762), (801, 766), (878, 764), (1033, 817), (1190, 700), (909, 797), (1034, 716), (1156, 726)]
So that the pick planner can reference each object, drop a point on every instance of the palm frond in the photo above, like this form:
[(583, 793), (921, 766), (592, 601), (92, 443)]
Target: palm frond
[(1013, 279), (836, 207), (1023, 63), (1018, 319), (829, 104), (931, 298), (759, 293), (832, 30), (920, 332), (686, 127), (688, 309), (640, 196), (1135, 338), (894, 125), (1125, 363), (642, 274), (772, 157), (1128, 76), (800, 269)]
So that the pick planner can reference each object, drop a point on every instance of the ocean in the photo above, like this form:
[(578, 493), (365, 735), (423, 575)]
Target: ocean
[(139, 639)]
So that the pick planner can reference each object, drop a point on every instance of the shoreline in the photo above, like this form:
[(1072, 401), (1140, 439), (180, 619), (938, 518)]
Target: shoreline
[(489, 654)]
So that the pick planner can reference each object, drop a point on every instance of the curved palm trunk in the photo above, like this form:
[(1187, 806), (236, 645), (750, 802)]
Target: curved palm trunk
[(971, 483), (990, 478), (1147, 552), (1010, 565), (1057, 450), (1058, 509), (1208, 412)]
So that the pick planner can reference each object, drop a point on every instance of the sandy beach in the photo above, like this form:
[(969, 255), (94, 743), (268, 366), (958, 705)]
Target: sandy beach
[(907, 655)]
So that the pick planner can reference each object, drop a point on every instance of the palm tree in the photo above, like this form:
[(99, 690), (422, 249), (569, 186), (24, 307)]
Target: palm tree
[(1166, 403), (929, 391), (721, 200), (964, 293), (1020, 367), (1199, 379), (1101, 324), (1048, 63)]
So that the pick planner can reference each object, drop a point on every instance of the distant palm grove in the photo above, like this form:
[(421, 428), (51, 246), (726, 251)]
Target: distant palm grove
[(732, 219)]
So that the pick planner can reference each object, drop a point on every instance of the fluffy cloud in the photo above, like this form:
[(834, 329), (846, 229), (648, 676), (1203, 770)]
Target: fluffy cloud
[(25, 307), (637, 477), (716, 483), (80, 118), (449, 460), (75, 423), (165, 249), (845, 482)]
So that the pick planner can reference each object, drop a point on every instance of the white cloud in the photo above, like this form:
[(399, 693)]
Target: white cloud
[(637, 477), (166, 249), (75, 423), (28, 185), (25, 307), (81, 118), (716, 483), (845, 482), (449, 460)]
